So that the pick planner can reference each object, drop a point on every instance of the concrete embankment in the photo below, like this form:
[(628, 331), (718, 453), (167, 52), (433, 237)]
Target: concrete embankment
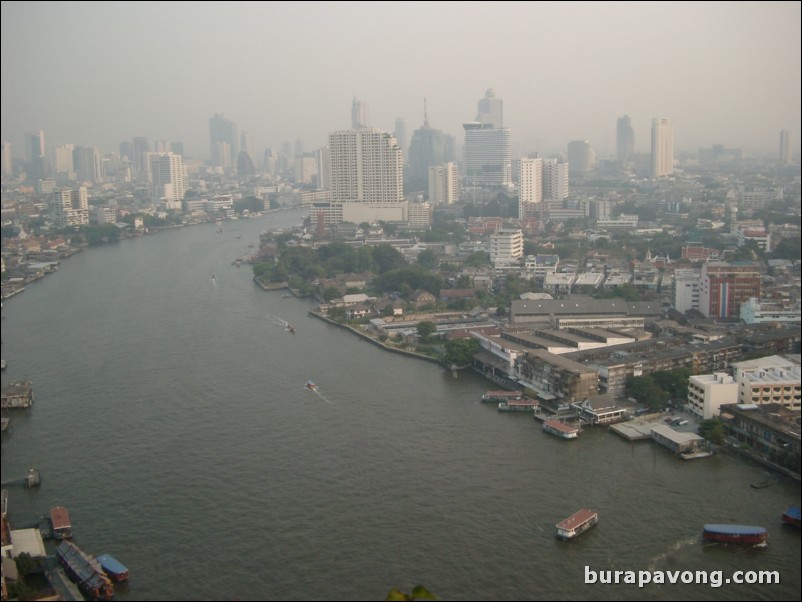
[(370, 339)]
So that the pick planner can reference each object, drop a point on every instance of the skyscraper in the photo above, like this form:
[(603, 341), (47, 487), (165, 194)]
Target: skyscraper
[(167, 178), (581, 157), (490, 110), (488, 150), (34, 145), (366, 166), (555, 180), (223, 132), (429, 147), (360, 117), (530, 186), (444, 183), (662, 147), (7, 165), (785, 147), (400, 132), (624, 139)]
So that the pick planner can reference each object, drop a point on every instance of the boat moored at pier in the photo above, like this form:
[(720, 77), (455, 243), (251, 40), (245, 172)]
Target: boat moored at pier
[(561, 429), (85, 571), (60, 520), (792, 516), (113, 567)]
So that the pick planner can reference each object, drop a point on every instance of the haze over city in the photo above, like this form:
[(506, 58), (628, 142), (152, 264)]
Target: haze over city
[(100, 73)]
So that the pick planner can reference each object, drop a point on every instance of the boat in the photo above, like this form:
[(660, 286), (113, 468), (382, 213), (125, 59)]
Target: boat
[(729, 533), (577, 523), (497, 396), (561, 429), (60, 520), (85, 571), (113, 567), (311, 386), (791, 516), (518, 405)]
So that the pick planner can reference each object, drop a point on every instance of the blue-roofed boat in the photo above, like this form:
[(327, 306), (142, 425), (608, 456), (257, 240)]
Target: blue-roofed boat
[(735, 534), (792, 516), (113, 567)]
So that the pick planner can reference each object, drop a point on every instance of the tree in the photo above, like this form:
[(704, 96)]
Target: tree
[(426, 329), (427, 259), (460, 352), (387, 258), (646, 391), (477, 260), (712, 430), (419, 593)]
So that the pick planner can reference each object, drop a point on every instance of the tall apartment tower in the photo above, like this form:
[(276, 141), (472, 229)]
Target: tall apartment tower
[(530, 186), (555, 180), (624, 139), (87, 164), (488, 150), (662, 147), (366, 165), (360, 117), (725, 286), (444, 183), (785, 147), (34, 145), (224, 141), (167, 178), (70, 207)]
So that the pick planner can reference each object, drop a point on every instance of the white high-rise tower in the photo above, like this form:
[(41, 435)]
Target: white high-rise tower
[(662, 147)]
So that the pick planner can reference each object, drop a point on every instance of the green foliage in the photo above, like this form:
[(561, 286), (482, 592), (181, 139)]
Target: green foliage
[(477, 260), (460, 352), (427, 259), (251, 203), (674, 382), (712, 430), (626, 292), (331, 292), (426, 329), (408, 279), (387, 258), (10, 231), (788, 248), (646, 391)]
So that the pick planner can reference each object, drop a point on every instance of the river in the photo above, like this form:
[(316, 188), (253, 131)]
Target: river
[(171, 419)]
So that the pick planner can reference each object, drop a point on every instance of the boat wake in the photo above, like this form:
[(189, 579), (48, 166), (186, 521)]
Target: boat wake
[(673, 549), (312, 387)]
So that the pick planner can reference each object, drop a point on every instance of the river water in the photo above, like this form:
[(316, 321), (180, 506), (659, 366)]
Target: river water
[(171, 419)]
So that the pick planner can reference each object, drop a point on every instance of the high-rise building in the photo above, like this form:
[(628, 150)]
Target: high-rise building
[(555, 180), (366, 166), (360, 117), (785, 147), (34, 145), (488, 155), (490, 110), (444, 183), (662, 147), (530, 179), (69, 207), (141, 149), (167, 178), (177, 148), (222, 130), (506, 247), (429, 147), (247, 144), (87, 164), (400, 132), (725, 286), (488, 150), (7, 165), (624, 139), (63, 160), (530, 186), (581, 157)]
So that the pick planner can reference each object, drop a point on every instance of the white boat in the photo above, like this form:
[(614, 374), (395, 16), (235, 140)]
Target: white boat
[(561, 429), (577, 523)]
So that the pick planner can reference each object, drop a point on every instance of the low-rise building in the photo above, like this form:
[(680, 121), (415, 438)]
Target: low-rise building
[(677, 442), (707, 392)]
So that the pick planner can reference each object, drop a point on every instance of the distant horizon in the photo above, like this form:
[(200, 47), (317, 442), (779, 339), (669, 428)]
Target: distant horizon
[(727, 74)]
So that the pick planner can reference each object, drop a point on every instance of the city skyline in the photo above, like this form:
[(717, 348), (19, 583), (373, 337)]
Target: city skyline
[(726, 74)]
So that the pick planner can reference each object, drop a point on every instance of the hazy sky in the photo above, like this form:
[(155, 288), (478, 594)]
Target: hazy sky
[(97, 73)]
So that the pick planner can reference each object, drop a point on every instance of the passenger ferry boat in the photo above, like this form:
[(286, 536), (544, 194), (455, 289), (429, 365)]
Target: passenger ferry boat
[(561, 429), (518, 405), (577, 523), (792, 516), (497, 396), (60, 520), (735, 534)]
